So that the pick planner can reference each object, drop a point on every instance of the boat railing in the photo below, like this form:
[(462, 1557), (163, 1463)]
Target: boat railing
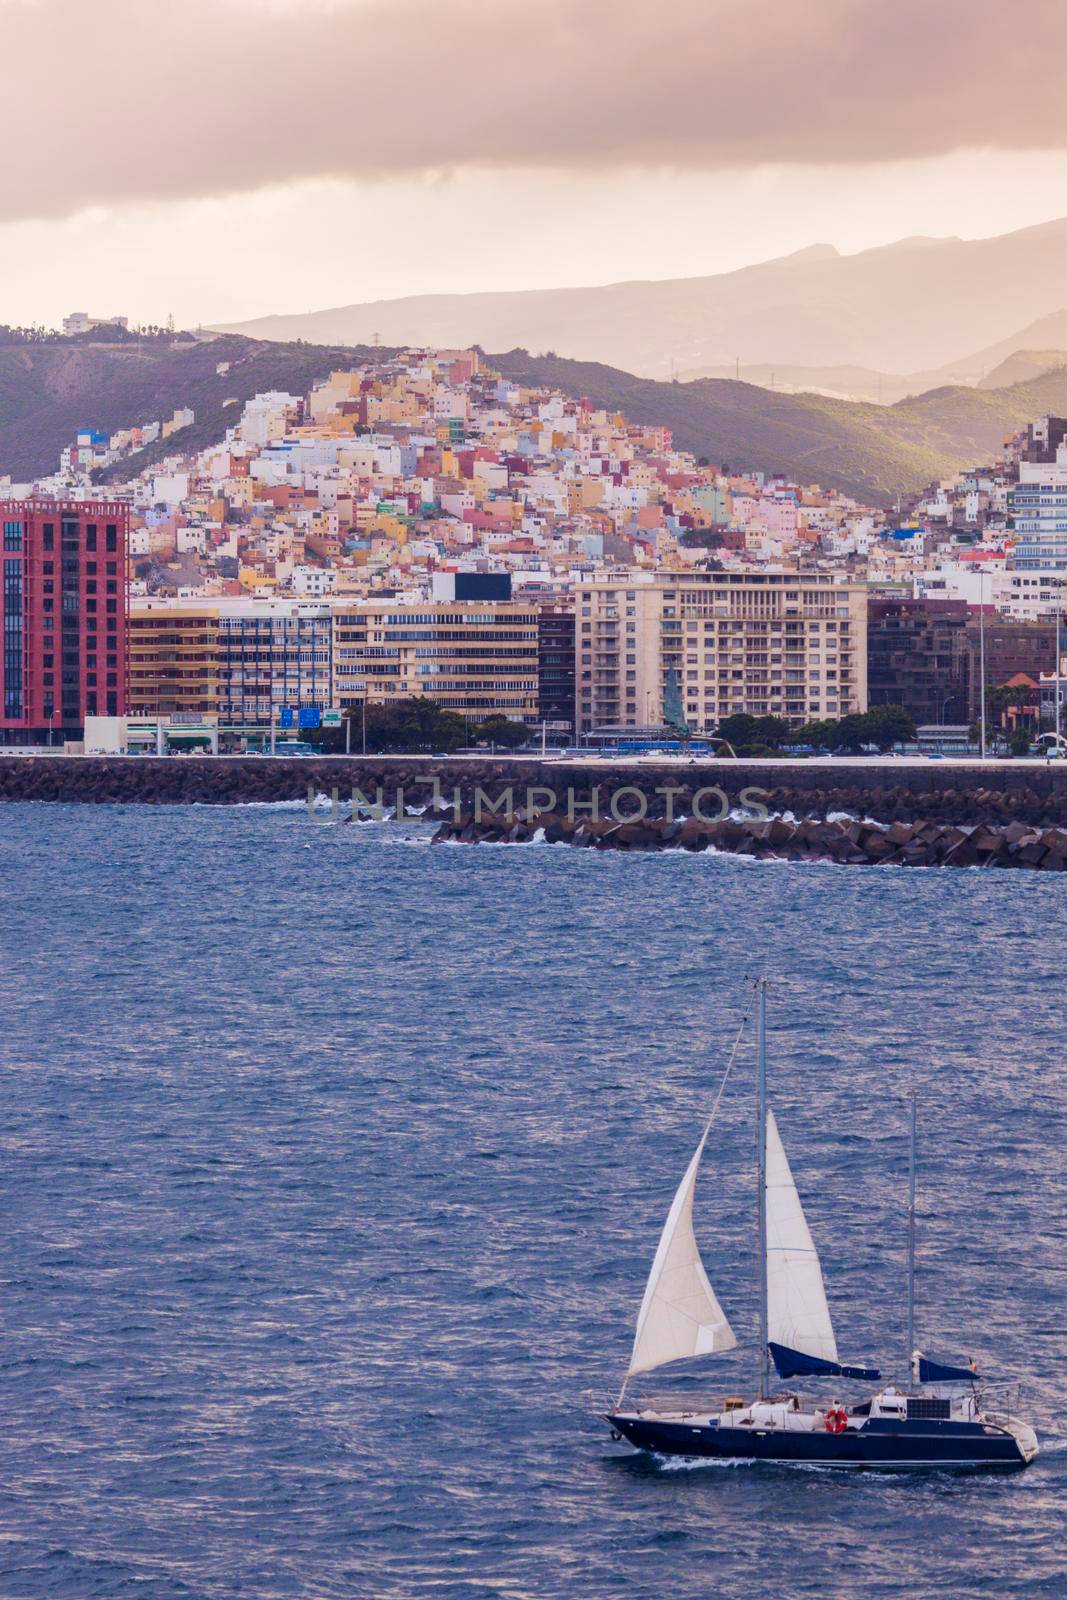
[(719, 1403), (1008, 1398), (677, 1404), (685, 1405)]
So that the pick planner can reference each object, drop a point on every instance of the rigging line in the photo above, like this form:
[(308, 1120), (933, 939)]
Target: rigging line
[(726, 1074)]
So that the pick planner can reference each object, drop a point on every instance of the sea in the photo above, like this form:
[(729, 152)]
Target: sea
[(332, 1164)]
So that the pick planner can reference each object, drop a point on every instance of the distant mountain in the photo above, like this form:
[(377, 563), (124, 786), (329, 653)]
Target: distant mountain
[(49, 391), (841, 382), (1022, 366), (1034, 349), (914, 307), (1047, 334)]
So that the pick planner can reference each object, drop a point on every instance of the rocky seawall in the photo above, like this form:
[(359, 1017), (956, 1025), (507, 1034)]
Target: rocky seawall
[(993, 794), (921, 844)]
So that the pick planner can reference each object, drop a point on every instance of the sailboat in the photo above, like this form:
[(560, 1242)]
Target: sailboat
[(937, 1419)]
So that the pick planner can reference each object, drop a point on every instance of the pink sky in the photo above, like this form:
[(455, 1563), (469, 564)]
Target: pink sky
[(222, 158)]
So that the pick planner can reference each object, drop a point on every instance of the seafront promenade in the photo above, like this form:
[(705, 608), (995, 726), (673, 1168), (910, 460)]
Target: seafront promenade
[(885, 790)]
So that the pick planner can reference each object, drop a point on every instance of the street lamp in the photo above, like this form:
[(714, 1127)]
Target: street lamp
[(981, 647), (1059, 614)]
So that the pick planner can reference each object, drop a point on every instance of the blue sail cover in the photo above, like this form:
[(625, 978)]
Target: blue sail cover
[(934, 1372), (794, 1364)]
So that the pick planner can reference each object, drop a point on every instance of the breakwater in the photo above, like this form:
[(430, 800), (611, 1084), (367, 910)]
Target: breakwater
[(906, 844), (992, 794)]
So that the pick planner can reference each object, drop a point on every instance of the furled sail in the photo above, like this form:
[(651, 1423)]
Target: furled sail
[(794, 1364), (798, 1317), (937, 1372), (679, 1314)]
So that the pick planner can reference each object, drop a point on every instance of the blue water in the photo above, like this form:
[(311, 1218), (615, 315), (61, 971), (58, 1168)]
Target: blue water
[(332, 1164)]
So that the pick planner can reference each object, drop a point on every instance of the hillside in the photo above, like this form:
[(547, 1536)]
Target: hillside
[(873, 452), (49, 391), (919, 306)]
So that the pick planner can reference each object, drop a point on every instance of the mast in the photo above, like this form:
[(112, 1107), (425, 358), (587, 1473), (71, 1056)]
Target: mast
[(911, 1232), (761, 1164)]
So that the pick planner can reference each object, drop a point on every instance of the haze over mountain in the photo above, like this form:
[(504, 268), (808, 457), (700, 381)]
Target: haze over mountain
[(913, 310), (1035, 349)]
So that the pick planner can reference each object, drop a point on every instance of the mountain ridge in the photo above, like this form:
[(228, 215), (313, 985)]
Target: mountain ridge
[(916, 305)]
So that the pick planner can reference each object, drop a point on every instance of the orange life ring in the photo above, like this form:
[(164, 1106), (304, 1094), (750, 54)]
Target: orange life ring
[(836, 1420)]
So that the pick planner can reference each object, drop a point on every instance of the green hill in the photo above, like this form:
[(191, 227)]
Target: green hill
[(874, 452), (50, 390)]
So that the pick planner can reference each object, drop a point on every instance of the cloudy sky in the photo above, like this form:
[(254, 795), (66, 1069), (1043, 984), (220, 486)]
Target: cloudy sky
[(227, 158)]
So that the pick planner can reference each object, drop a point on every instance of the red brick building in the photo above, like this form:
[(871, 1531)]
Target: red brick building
[(65, 608)]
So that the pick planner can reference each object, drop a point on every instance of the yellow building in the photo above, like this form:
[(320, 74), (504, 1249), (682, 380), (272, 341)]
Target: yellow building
[(174, 658), (256, 578), (475, 658)]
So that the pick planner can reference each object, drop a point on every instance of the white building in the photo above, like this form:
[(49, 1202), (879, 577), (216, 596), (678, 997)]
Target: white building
[(314, 580), (1039, 512), (82, 322)]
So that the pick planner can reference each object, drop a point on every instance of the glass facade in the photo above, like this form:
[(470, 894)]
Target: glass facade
[(1039, 519), (14, 640)]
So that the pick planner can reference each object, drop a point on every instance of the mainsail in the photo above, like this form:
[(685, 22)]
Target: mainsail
[(679, 1314), (798, 1318)]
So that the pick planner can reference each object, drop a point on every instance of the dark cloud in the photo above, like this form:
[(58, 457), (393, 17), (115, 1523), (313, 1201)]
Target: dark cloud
[(125, 100)]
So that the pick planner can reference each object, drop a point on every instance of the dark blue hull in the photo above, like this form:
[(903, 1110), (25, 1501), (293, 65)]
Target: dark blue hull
[(879, 1444)]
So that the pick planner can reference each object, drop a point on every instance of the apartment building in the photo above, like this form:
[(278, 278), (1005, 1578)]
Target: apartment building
[(273, 655), (1008, 649), (475, 658), (768, 643), (65, 601), (238, 661), (555, 650), (917, 657), (1038, 510), (174, 659)]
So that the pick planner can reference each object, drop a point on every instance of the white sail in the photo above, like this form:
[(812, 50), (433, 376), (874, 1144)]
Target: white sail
[(679, 1314), (797, 1314)]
